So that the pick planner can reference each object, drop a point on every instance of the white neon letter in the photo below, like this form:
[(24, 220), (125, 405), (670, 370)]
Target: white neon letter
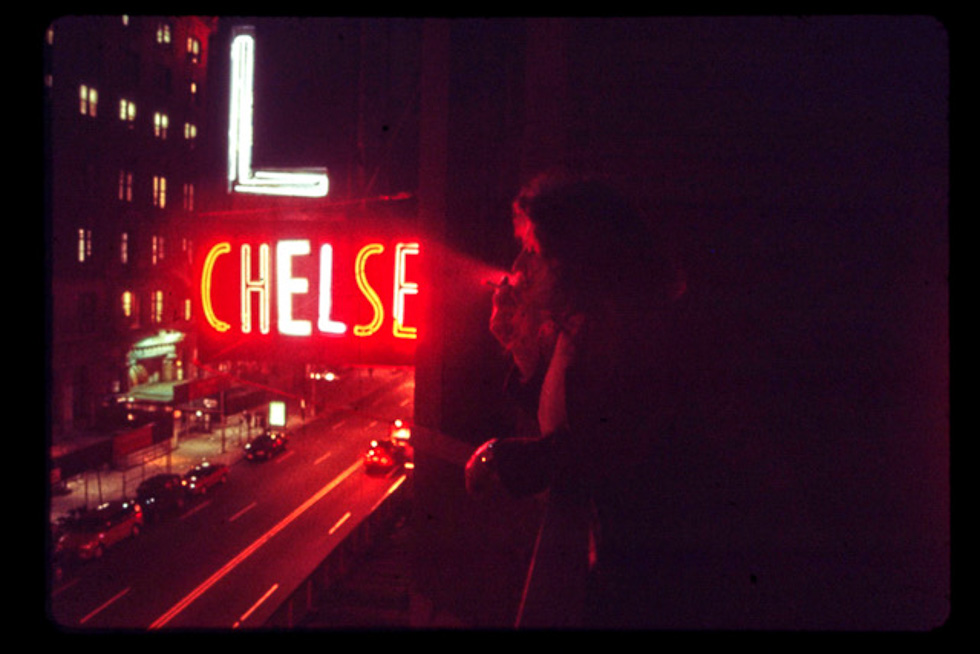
[(287, 286), (403, 288), (240, 108), (311, 183), (324, 323), (258, 286)]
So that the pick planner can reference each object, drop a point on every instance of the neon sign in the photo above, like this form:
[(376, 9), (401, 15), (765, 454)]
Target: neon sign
[(281, 287), (342, 294), (242, 178)]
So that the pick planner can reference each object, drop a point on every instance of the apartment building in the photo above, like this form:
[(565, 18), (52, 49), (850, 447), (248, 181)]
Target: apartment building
[(125, 116)]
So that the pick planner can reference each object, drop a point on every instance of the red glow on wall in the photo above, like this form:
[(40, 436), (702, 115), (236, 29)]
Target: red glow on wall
[(332, 296)]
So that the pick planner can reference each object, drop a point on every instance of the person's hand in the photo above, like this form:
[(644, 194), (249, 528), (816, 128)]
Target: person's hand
[(516, 326), (481, 471), (503, 317)]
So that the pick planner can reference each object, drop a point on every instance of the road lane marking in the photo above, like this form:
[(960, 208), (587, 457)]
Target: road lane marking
[(337, 524), (60, 589), (337, 426), (194, 510), (255, 606), (388, 494), (322, 458), (285, 456), (104, 606), (405, 402), (242, 512), (177, 608)]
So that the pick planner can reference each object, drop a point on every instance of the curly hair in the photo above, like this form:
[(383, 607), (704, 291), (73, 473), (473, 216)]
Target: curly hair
[(603, 248)]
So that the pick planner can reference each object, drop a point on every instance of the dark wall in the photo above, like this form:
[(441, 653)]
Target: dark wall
[(801, 166), (799, 169)]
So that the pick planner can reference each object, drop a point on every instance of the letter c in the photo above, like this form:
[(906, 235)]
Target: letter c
[(209, 261)]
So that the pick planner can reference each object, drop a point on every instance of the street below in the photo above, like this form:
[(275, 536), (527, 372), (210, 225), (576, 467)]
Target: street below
[(228, 558)]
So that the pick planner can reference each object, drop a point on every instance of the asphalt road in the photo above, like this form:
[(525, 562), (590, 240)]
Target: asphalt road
[(223, 560)]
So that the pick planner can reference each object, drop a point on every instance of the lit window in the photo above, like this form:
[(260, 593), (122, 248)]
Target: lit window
[(156, 303), (84, 245), (190, 131), (160, 124), (187, 309), (88, 100), (127, 111), (163, 32), (127, 304), (124, 248), (193, 49), (125, 19), (188, 197), (49, 35), (159, 191), (157, 250), (125, 186)]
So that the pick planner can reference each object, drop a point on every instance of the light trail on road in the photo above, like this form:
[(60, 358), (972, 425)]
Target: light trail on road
[(179, 607), (257, 604)]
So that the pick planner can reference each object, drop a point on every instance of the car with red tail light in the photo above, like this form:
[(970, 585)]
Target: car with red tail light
[(94, 531)]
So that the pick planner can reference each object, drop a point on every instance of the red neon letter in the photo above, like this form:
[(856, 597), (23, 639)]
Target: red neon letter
[(403, 288), (372, 297), (325, 324), (216, 251), (287, 286), (258, 286)]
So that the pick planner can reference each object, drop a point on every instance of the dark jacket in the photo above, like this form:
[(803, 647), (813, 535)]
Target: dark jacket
[(623, 392)]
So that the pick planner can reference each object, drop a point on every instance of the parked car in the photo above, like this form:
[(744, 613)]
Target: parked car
[(205, 476), (266, 446), (161, 493), (88, 536)]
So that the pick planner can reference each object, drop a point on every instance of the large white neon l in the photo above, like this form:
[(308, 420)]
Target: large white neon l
[(308, 182)]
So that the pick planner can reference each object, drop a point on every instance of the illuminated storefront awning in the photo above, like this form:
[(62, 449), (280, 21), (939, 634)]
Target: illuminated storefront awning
[(161, 344)]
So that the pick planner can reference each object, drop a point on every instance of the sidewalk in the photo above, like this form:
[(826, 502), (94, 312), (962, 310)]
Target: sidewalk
[(221, 445)]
